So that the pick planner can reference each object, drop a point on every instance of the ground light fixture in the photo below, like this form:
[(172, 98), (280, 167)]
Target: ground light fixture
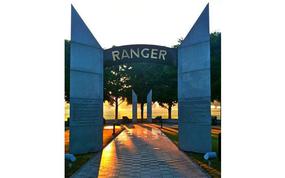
[(210, 156)]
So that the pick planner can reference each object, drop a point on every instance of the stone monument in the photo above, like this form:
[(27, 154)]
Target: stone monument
[(194, 88), (149, 106), (87, 61), (86, 88), (134, 106)]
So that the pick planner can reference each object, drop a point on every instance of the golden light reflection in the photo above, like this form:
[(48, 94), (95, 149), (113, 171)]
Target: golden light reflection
[(109, 159)]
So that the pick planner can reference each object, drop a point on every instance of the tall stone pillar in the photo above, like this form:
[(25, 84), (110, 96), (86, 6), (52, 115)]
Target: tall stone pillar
[(86, 89), (149, 106), (134, 105), (194, 88)]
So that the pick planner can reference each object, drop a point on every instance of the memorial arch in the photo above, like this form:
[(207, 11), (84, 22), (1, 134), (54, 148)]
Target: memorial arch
[(87, 62)]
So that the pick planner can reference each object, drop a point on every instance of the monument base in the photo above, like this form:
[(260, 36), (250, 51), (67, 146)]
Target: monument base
[(195, 137), (85, 138)]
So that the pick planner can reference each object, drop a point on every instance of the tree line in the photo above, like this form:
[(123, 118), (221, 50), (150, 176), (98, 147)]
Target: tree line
[(142, 77)]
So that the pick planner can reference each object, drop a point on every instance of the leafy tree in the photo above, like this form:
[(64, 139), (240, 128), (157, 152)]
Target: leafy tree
[(215, 40), (165, 90), (162, 79), (115, 86), (179, 41)]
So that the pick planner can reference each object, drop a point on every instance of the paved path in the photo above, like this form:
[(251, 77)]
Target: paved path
[(140, 152)]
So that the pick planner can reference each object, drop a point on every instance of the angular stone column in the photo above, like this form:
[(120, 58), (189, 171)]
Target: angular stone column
[(134, 105), (149, 106), (86, 89), (194, 88)]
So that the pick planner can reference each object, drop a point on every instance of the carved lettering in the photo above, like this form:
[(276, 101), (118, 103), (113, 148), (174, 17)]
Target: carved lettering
[(147, 53), (115, 55)]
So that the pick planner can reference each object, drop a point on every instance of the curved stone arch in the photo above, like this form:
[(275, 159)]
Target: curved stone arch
[(140, 53)]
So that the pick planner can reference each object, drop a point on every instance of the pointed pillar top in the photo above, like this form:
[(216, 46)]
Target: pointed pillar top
[(80, 32), (200, 30), (133, 91)]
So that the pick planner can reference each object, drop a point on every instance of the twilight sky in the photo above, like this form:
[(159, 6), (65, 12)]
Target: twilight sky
[(159, 22)]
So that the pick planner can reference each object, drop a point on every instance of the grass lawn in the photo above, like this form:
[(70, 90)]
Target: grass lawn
[(215, 169), (83, 158)]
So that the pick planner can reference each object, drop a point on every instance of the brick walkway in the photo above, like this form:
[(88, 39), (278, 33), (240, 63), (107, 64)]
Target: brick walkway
[(140, 152)]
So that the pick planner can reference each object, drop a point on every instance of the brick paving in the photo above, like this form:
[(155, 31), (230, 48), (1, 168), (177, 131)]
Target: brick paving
[(140, 152)]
